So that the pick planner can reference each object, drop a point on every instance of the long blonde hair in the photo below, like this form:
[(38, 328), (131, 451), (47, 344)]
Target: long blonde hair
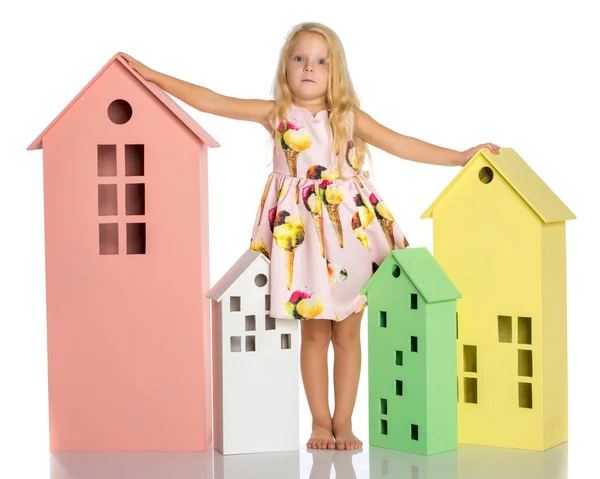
[(341, 97)]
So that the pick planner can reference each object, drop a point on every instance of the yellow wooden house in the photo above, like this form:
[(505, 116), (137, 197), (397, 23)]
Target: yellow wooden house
[(499, 233)]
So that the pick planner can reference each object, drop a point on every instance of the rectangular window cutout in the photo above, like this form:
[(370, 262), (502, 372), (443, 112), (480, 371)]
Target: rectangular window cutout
[(383, 406), (235, 303), (383, 424), (504, 329), (525, 395), (286, 341), (267, 302), (398, 387), (250, 343), (134, 160), (470, 391), (107, 200), (383, 319), (398, 358), (251, 323), (414, 344), (135, 199), (414, 432), (524, 330), (413, 301), (470, 358), (525, 362), (269, 323), (109, 238), (136, 238), (107, 160), (235, 343)]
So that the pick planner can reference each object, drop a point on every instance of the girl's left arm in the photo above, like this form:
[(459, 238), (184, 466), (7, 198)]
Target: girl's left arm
[(413, 149)]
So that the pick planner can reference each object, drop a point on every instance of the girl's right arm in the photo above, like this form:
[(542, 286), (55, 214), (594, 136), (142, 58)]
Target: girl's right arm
[(204, 99)]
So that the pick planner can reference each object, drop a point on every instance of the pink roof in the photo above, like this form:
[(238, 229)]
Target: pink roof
[(160, 94)]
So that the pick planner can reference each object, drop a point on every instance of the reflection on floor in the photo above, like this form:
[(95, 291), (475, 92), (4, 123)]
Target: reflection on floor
[(469, 462)]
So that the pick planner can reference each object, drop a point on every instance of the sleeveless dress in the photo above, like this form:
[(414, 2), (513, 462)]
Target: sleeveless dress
[(324, 235)]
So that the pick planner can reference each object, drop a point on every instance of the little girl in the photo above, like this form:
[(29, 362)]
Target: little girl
[(322, 224)]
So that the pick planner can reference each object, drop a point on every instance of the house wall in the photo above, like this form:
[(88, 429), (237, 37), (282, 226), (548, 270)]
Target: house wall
[(554, 334), (127, 333), (260, 386), (389, 346), (440, 357), (488, 241)]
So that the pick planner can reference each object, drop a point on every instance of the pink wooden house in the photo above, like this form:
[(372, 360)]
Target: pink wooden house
[(127, 272)]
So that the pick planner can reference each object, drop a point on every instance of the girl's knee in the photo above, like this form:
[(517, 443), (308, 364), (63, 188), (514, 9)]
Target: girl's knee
[(316, 333), (346, 339)]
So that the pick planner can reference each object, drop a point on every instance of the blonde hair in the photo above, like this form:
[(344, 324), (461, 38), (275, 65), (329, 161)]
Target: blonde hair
[(341, 97)]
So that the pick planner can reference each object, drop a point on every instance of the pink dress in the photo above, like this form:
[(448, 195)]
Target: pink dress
[(325, 236)]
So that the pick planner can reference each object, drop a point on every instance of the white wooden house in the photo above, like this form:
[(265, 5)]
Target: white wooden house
[(255, 363)]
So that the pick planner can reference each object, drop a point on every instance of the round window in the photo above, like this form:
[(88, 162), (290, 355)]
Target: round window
[(486, 174), (260, 280), (119, 112)]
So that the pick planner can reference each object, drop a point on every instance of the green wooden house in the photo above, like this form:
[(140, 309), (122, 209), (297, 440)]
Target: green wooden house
[(412, 354)]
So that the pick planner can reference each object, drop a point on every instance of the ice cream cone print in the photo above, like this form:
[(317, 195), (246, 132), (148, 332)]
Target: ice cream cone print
[(289, 255), (319, 172), (264, 195), (351, 155), (334, 215), (304, 304), (318, 220), (332, 198), (357, 179), (388, 229), (258, 244), (336, 274), (288, 233), (312, 202), (359, 231), (385, 219), (292, 159), (362, 218), (315, 172), (294, 139), (271, 216)]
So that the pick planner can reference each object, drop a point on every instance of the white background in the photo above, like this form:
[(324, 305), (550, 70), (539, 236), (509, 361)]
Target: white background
[(521, 74)]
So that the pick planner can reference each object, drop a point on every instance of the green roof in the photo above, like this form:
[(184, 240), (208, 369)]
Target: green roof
[(424, 272)]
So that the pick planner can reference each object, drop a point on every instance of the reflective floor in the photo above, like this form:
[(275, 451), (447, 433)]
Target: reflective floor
[(476, 462)]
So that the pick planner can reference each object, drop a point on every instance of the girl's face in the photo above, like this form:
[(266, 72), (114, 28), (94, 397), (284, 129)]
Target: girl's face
[(307, 67)]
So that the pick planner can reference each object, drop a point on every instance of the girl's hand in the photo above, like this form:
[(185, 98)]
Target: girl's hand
[(468, 154), (139, 67)]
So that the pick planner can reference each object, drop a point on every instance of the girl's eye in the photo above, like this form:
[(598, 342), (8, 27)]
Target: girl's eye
[(298, 57), (322, 62)]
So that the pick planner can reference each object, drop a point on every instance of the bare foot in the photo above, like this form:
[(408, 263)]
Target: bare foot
[(344, 437), (321, 438)]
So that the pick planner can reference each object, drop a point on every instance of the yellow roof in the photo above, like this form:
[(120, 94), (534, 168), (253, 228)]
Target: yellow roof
[(524, 181)]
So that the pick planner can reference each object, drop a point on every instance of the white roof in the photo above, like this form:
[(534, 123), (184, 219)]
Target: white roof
[(234, 274)]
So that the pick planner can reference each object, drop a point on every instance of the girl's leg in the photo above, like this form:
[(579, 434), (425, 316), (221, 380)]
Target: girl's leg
[(346, 372), (316, 335)]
